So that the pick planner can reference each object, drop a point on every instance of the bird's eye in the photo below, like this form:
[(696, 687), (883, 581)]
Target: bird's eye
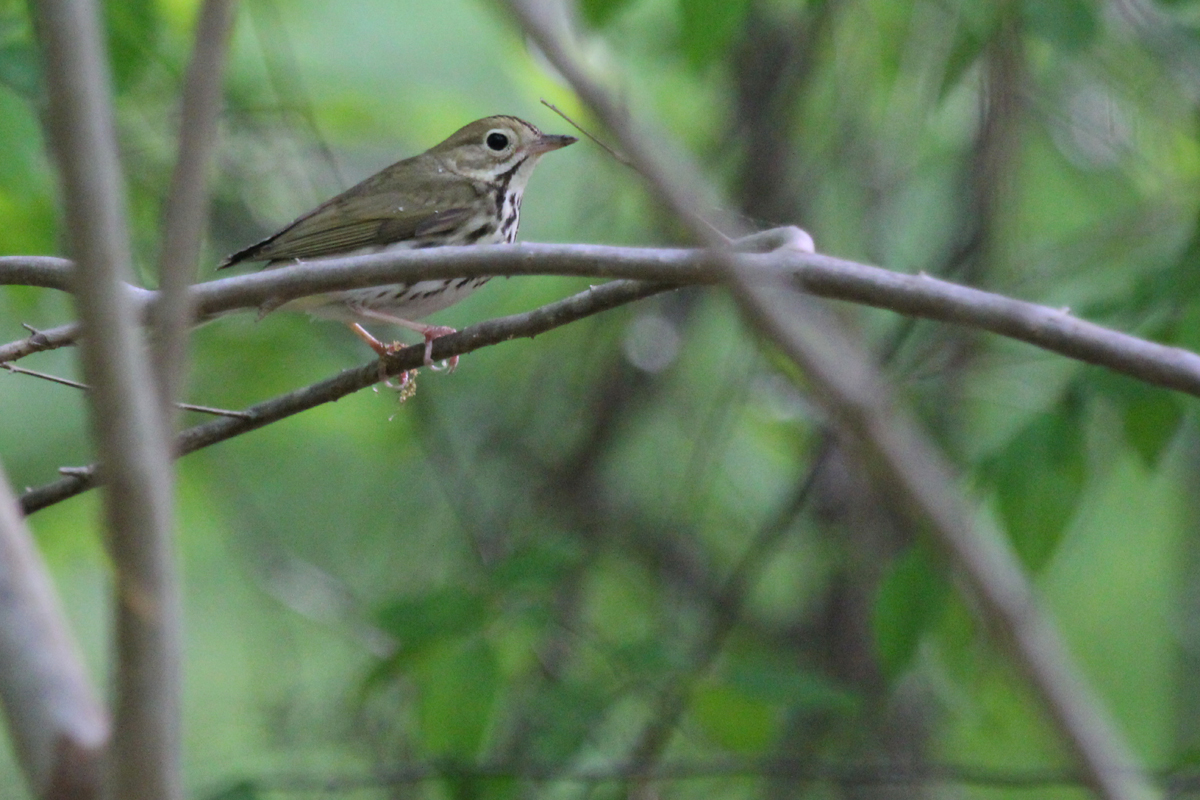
[(496, 140)]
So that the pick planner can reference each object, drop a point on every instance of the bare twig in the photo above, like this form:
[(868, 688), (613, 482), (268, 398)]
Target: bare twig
[(45, 376), (58, 725), (620, 159), (854, 395), (126, 418), (352, 380), (219, 412)]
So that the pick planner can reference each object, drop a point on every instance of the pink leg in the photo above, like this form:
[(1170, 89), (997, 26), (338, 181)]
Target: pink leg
[(383, 351), (430, 332)]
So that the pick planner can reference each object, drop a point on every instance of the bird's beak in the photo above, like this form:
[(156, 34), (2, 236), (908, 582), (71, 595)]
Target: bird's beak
[(551, 141)]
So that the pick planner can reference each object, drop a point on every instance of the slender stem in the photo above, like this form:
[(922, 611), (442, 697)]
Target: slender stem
[(126, 417)]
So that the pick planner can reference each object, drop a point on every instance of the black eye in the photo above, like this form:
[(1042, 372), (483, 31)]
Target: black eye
[(496, 140)]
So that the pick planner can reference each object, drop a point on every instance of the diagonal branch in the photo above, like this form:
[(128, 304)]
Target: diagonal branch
[(529, 324), (57, 724), (854, 394)]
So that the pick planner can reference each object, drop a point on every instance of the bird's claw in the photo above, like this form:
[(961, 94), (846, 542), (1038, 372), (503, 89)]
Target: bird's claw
[(406, 382), (433, 332)]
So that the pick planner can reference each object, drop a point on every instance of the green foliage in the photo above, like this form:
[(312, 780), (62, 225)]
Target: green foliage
[(457, 686), (1039, 477), (20, 70), (133, 28), (909, 602), (599, 12), (708, 26), (1150, 417), (1069, 24), (733, 719), (544, 536), (421, 622)]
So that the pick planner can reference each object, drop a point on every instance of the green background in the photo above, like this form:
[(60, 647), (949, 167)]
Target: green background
[(525, 565)]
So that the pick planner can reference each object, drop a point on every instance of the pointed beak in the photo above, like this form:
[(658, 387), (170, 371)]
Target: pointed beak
[(551, 141)]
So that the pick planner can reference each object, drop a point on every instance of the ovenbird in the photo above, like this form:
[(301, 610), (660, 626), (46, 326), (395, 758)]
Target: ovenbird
[(466, 190)]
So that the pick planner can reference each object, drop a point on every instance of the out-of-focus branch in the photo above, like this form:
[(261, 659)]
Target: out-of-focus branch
[(856, 397), (803, 769), (187, 202), (57, 723), (914, 295), (529, 324), (126, 417)]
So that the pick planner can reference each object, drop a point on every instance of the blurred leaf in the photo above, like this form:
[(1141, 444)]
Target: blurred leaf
[(1070, 24), (732, 719), (645, 658), (539, 565), (458, 684), (966, 51), (242, 790), (779, 681), (133, 28), (909, 599), (562, 715), (1189, 758), (1151, 421), (19, 68), (422, 621), (599, 12), (708, 26), (473, 787), (1150, 415), (1039, 477)]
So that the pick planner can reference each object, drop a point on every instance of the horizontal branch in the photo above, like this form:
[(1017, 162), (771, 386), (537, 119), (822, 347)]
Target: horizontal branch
[(528, 324), (795, 769), (913, 295)]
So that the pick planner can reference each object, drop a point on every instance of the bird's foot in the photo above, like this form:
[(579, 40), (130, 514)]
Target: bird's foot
[(432, 332), (406, 382)]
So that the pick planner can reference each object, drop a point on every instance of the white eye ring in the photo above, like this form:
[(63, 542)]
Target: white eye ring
[(498, 140)]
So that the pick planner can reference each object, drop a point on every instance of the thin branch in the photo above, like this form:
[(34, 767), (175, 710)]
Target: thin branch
[(126, 419), (854, 394), (187, 201), (529, 324), (922, 296), (33, 373), (620, 159), (58, 725)]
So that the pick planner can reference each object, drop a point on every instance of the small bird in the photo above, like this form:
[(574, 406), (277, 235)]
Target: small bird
[(466, 190)]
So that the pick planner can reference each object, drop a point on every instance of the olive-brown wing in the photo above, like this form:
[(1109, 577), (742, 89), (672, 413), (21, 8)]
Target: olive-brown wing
[(369, 215)]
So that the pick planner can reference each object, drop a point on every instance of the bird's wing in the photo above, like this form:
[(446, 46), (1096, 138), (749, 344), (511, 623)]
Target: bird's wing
[(363, 217)]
